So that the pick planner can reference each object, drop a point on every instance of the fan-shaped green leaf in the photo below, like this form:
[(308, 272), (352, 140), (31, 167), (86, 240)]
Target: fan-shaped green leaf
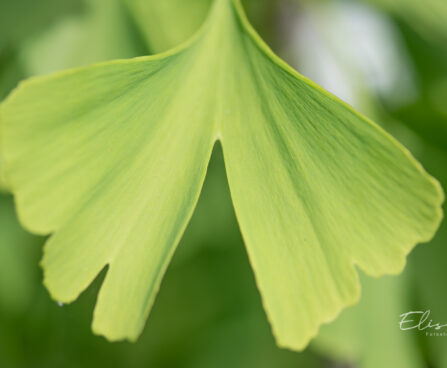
[(111, 159)]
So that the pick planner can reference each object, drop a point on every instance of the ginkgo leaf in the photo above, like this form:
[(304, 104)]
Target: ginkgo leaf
[(111, 159)]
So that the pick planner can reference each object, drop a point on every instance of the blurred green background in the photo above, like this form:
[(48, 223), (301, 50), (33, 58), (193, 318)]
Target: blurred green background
[(388, 58)]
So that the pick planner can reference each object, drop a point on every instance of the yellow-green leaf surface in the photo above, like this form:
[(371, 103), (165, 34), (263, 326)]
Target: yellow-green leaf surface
[(111, 159)]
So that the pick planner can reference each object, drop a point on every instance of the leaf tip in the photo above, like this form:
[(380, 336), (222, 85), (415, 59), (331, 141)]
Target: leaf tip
[(111, 334)]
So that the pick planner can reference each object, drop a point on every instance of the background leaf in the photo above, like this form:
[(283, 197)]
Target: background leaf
[(103, 32), (164, 24), (428, 17)]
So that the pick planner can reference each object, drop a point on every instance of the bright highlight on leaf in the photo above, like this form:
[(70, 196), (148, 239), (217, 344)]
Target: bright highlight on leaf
[(111, 159)]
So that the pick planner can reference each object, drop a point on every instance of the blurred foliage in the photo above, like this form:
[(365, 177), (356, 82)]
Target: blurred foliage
[(427, 115), (366, 335), (156, 20), (429, 17), (427, 118), (10, 70), (209, 312), (104, 31), (21, 18), (18, 251)]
